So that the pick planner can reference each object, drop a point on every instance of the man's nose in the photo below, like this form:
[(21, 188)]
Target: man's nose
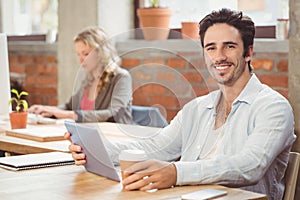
[(220, 55)]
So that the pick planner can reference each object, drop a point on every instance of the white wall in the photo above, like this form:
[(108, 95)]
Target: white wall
[(74, 15), (115, 16)]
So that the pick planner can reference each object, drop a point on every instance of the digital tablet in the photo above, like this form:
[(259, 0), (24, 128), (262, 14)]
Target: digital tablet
[(97, 158), (204, 194)]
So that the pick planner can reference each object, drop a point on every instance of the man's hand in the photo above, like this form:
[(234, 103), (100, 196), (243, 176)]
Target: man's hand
[(77, 155), (150, 174)]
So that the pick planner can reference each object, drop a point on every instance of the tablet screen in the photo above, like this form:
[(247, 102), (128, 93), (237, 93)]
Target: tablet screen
[(98, 160)]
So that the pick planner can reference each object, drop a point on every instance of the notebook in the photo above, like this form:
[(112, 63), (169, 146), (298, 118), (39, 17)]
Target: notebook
[(97, 157), (41, 134), (32, 161)]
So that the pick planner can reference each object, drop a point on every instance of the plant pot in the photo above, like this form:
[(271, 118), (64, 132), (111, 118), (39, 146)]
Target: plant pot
[(190, 30), (155, 22), (18, 120)]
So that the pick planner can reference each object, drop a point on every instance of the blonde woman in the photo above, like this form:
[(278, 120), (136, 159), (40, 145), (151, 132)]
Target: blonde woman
[(106, 92)]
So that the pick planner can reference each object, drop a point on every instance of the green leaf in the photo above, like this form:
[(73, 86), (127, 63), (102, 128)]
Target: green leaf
[(15, 92), (154, 3), (23, 93), (18, 108), (25, 105), (11, 100), (21, 103)]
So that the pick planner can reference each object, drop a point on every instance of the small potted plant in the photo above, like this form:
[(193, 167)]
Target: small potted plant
[(190, 30), (18, 118), (154, 21)]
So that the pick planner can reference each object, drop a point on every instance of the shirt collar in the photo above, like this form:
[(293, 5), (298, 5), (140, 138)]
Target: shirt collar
[(251, 90), (248, 94)]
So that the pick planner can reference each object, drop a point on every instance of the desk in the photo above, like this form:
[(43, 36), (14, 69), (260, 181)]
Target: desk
[(112, 131), (73, 182), (24, 146)]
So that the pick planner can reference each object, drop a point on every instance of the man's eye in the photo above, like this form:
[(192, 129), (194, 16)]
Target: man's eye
[(230, 46), (210, 48)]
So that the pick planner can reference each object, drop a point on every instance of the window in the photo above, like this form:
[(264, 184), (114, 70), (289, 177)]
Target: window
[(28, 17), (264, 13)]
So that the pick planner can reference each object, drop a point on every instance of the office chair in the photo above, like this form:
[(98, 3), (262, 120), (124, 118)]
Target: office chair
[(148, 116), (291, 175)]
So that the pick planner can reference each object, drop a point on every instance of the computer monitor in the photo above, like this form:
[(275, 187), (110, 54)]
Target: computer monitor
[(4, 77)]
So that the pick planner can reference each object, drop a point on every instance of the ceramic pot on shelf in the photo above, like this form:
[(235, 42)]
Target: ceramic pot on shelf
[(155, 22), (190, 30)]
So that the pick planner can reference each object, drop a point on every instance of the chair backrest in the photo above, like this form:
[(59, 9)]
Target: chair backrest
[(291, 175), (148, 116)]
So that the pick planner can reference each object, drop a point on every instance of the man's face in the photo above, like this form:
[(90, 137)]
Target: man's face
[(223, 53)]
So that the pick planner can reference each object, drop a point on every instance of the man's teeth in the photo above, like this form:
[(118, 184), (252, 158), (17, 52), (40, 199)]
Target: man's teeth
[(222, 67)]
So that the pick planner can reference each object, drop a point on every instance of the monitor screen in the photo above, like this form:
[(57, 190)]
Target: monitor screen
[(4, 77)]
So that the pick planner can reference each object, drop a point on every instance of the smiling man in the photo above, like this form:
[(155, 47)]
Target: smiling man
[(239, 135), (224, 57)]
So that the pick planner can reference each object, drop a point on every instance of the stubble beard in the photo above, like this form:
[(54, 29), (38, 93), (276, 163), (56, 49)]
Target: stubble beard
[(239, 69)]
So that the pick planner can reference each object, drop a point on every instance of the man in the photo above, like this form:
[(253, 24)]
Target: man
[(239, 136)]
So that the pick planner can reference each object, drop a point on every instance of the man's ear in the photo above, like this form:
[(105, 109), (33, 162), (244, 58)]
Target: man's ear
[(249, 54)]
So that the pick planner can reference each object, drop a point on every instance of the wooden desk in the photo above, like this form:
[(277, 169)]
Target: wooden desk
[(112, 131), (73, 182), (24, 146)]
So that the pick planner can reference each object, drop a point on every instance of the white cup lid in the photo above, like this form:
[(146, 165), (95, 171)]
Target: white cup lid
[(132, 155)]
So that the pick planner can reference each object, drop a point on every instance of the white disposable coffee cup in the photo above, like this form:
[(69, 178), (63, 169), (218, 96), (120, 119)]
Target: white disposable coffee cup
[(130, 157)]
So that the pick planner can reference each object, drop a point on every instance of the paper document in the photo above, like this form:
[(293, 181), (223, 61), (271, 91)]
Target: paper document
[(39, 160)]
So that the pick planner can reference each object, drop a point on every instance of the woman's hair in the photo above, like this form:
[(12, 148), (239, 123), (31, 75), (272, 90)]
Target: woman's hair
[(241, 22), (96, 38)]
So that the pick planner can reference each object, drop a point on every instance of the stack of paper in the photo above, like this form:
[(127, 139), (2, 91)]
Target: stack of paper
[(32, 161), (41, 134)]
